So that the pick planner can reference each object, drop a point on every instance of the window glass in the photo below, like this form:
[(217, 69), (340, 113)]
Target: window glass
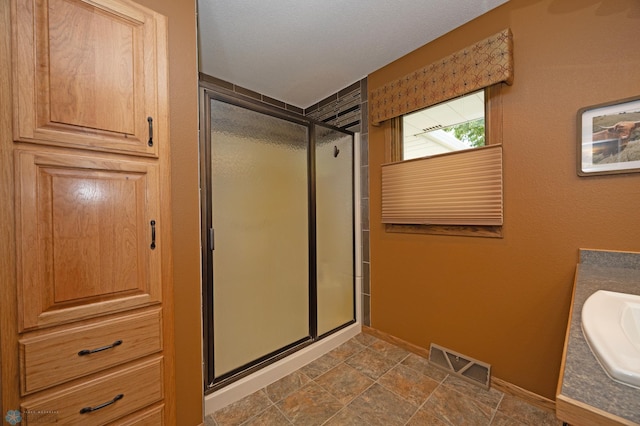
[(450, 126)]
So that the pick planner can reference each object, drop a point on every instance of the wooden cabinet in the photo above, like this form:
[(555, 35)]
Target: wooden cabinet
[(89, 339), (86, 74)]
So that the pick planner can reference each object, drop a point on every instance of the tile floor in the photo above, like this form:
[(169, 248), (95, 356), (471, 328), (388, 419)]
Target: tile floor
[(367, 381)]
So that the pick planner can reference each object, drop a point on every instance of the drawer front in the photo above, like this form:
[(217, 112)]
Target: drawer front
[(150, 417), (101, 400), (50, 359)]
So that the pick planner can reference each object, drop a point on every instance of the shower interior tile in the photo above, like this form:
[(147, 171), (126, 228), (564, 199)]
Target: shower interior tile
[(366, 285)]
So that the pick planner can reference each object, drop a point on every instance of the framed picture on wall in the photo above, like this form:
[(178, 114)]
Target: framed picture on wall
[(609, 138)]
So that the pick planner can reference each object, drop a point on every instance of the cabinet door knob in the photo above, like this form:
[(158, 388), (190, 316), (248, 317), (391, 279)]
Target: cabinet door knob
[(116, 398), (150, 121), (104, 348)]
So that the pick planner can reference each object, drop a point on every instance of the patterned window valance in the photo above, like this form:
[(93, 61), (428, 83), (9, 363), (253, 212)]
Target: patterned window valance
[(480, 65)]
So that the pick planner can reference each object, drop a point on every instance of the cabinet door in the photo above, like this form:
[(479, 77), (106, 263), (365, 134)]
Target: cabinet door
[(88, 236), (89, 74)]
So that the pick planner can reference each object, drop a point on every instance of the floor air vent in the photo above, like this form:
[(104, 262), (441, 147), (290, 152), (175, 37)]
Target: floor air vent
[(460, 365)]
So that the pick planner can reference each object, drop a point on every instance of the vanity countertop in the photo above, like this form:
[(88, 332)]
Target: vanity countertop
[(586, 395)]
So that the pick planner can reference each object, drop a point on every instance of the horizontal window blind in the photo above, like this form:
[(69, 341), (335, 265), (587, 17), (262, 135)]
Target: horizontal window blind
[(460, 188)]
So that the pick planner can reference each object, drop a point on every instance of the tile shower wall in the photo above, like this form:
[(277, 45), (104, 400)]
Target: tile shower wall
[(242, 93), (346, 109)]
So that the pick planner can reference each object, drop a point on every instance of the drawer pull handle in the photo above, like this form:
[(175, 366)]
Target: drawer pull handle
[(116, 398), (153, 235), (104, 348), (150, 121)]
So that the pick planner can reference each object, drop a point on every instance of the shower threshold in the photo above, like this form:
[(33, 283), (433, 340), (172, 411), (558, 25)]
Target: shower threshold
[(279, 369)]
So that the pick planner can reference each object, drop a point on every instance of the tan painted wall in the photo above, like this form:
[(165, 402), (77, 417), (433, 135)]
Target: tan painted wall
[(183, 96), (506, 301)]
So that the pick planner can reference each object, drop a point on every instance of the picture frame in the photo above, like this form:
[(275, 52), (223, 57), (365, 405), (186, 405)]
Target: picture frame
[(609, 138)]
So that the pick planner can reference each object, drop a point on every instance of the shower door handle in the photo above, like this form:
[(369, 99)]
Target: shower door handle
[(212, 244)]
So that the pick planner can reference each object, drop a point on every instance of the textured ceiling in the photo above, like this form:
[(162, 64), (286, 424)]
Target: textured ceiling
[(301, 51)]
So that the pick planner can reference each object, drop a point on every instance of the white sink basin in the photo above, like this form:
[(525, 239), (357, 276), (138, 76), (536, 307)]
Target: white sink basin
[(611, 325)]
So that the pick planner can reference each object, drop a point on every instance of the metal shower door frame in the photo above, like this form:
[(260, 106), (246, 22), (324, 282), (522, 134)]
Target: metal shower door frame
[(207, 94)]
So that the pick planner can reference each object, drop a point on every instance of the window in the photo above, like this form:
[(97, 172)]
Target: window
[(435, 150), (450, 126), (453, 193)]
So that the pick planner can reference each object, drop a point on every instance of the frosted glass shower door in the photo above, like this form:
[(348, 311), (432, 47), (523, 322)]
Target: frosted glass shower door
[(334, 228), (260, 217)]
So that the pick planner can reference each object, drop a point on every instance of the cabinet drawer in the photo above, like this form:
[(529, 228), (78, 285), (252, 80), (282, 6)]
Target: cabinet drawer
[(149, 417), (53, 358), (103, 399)]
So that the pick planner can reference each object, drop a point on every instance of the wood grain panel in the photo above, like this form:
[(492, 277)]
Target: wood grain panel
[(97, 231), (578, 413), (92, 78), (8, 313), (151, 417)]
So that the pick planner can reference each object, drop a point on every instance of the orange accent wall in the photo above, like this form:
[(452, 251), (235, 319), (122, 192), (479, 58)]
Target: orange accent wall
[(183, 112), (506, 301)]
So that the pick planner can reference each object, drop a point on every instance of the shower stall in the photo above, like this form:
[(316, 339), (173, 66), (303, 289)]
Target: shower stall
[(278, 234)]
